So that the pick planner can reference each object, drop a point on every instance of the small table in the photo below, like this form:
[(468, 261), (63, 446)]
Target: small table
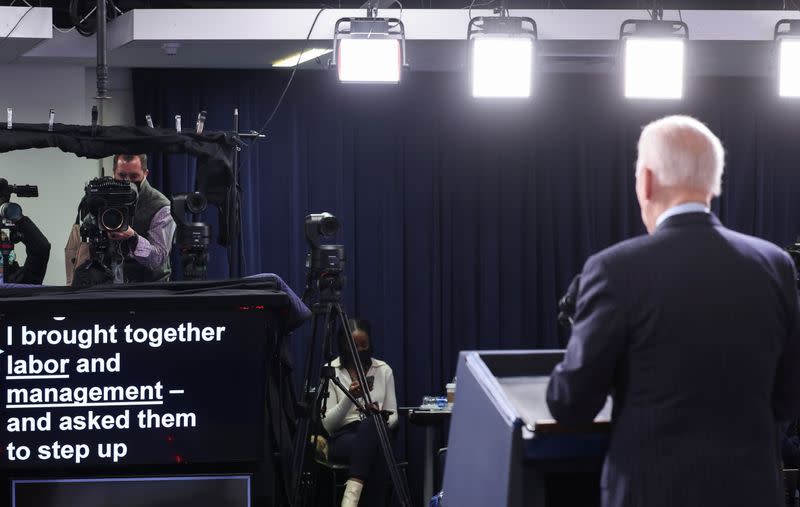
[(430, 419)]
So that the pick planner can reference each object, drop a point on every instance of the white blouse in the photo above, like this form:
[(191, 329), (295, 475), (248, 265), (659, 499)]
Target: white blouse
[(341, 411)]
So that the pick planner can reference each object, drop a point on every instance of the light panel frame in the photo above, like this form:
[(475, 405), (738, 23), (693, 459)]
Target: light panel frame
[(502, 28), (787, 41), (364, 30), (663, 36)]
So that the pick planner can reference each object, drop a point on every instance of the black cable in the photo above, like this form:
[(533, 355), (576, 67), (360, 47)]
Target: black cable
[(473, 4), (291, 77), (16, 25), (85, 26)]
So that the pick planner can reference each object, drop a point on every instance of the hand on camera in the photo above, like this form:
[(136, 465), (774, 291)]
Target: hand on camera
[(119, 236)]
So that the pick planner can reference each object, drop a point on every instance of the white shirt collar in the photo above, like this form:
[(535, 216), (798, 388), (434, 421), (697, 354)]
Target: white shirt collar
[(680, 209)]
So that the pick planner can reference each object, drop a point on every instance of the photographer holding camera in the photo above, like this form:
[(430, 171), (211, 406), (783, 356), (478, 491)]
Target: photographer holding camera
[(16, 227), (147, 244)]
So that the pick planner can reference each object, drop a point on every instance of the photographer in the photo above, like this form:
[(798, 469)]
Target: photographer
[(37, 249), (15, 228), (147, 244)]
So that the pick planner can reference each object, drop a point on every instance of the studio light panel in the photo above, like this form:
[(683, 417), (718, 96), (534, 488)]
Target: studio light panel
[(502, 66), (369, 60), (790, 68), (654, 68)]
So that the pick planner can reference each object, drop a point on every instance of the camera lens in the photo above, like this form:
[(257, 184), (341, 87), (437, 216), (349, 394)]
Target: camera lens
[(112, 219), (10, 211), (196, 202), (328, 225)]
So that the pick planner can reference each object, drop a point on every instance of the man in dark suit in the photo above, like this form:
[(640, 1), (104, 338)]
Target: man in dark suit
[(694, 330)]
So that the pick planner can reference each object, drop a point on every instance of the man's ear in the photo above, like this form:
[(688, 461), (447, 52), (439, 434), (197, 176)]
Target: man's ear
[(647, 183)]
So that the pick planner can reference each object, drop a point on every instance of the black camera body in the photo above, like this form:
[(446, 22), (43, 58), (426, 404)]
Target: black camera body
[(324, 263), (112, 204), (10, 212), (323, 258), (191, 237), (190, 233)]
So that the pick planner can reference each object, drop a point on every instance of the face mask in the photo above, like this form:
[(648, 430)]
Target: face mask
[(365, 358)]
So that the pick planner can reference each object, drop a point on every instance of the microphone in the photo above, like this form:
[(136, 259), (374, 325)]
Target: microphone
[(567, 304)]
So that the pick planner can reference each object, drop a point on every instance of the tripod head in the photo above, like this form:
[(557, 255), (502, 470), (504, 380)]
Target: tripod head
[(324, 263)]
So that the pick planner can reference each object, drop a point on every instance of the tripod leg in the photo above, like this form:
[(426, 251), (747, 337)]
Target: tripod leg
[(311, 408), (398, 481)]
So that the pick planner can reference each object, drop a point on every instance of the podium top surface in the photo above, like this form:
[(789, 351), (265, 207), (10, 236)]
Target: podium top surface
[(528, 395)]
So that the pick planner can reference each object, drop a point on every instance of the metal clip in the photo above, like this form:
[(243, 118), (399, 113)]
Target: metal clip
[(201, 122)]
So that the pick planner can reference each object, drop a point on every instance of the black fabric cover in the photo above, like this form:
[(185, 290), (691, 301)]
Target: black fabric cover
[(214, 152)]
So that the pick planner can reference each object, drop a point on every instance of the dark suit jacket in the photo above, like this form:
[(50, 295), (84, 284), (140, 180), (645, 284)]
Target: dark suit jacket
[(694, 331)]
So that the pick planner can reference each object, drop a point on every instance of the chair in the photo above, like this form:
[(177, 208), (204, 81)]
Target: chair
[(331, 479)]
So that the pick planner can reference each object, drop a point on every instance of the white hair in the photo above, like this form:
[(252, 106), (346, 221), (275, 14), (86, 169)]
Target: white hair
[(681, 151)]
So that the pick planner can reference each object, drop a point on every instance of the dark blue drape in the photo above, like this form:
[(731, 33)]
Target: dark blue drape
[(464, 220)]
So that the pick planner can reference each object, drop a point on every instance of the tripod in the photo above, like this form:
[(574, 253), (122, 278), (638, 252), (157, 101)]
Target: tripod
[(328, 318)]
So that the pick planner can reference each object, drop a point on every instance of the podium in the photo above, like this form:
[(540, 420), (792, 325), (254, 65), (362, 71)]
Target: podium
[(505, 449)]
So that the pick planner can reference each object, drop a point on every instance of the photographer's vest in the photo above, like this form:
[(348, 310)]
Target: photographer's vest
[(149, 202)]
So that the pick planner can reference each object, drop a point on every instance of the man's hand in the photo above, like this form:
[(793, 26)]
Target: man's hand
[(120, 236)]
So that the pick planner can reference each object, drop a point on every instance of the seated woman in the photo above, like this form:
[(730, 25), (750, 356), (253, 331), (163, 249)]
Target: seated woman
[(353, 440)]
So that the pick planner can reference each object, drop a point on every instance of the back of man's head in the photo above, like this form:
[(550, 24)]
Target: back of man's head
[(683, 153)]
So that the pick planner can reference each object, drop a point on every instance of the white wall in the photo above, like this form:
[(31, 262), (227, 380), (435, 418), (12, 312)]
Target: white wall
[(31, 90)]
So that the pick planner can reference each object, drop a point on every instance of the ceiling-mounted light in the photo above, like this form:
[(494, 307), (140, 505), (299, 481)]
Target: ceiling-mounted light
[(300, 58), (787, 35), (369, 50), (654, 58), (501, 55)]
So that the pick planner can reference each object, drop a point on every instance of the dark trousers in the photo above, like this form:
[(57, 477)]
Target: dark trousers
[(358, 446)]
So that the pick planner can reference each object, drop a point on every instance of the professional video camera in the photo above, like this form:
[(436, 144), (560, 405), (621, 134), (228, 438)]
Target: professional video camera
[(108, 205), (10, 213), (324, 263), (191, 237), (324, 283)]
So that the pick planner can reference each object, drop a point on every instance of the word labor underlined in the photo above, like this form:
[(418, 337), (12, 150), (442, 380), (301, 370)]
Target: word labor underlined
[(105, 396), (30, 377), (98, 335)]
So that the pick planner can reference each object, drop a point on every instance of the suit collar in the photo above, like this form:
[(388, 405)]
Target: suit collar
[(687, 219)]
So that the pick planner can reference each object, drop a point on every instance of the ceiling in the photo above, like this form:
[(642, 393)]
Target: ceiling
[(61, 17), (455, 4), (573, 40)]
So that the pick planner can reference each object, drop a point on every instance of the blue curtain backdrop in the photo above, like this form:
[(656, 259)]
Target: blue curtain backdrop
[(463, 220)]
